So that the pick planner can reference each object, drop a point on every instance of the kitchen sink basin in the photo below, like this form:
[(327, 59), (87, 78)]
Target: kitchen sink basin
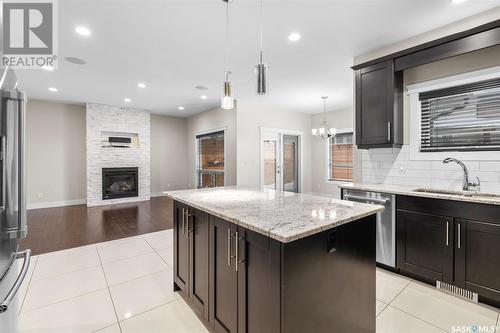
[(458, 193)]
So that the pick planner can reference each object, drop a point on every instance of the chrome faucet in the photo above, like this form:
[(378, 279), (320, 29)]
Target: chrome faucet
[(466, 186)]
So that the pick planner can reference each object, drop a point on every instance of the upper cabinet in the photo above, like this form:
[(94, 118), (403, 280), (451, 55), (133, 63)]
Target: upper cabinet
[(379, 82), (379, 106)]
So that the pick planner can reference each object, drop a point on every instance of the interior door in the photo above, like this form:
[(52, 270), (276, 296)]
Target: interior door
[(290, 167), (271, 155)]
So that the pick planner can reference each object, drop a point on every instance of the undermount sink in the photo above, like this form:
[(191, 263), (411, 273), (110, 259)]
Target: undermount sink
[(458, 193)]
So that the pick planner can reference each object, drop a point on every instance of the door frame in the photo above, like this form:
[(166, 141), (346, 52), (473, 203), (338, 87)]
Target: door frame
[(280, 132), (196, 161)]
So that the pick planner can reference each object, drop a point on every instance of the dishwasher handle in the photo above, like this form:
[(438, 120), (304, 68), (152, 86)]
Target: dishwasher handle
[(365, 200)]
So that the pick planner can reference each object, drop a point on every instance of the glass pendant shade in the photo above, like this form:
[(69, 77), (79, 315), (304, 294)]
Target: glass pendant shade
[(227, 100), (261, 76)]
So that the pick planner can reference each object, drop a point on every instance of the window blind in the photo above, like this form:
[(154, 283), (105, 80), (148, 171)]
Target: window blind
[(340, 157), (461, 118)]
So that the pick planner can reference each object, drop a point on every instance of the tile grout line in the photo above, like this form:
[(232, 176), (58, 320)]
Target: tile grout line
[(28, 287), (151, 309), (166, 263), (411, 315), (109, 292), (64, 300)]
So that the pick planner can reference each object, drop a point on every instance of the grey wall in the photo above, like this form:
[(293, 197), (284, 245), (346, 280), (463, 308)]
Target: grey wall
[(55, 153), (168, 154)]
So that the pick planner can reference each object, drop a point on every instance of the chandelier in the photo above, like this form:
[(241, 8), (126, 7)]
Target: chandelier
[(324, 132)]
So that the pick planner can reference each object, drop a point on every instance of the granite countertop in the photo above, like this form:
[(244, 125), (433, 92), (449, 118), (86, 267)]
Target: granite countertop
[(282, 216), (476, 197)]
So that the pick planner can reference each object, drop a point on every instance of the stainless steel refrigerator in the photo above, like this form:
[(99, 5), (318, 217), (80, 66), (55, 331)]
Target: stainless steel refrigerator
[(13, 264)]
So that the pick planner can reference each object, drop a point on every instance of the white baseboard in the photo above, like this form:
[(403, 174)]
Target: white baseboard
[(37, 205)]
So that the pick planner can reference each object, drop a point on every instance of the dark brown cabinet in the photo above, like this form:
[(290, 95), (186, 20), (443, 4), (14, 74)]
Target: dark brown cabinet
[(477, 257), (425, 245), (379, 106), (181, 248), (224, 277), (441, 240), (240, 281), (191, 266), (245, 280), (198, 232)]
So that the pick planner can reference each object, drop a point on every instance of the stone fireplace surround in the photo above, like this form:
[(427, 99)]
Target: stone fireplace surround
[(125, 121)]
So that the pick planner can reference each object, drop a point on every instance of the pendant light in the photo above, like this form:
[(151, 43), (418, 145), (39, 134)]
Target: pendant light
[(324, 132), (261, 68), (227, 99)]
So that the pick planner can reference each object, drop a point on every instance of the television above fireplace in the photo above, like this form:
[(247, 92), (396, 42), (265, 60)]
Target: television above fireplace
[(119, 183)]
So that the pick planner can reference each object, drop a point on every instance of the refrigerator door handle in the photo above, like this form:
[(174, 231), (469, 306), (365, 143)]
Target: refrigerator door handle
[(26, 254)]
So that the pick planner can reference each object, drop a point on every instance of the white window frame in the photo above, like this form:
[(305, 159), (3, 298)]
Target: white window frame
[(415, 115), (196, 151), (327, 157)]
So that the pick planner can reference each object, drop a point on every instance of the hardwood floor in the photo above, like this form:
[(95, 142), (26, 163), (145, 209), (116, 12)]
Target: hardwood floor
[(54, 229)]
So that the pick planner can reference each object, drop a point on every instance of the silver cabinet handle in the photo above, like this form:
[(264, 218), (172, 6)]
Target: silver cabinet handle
[(20, 278), (228, 247), (187, 221), (389, 131), (237, 256), (183, 220), (459, 236), (447, 233), (356, 198)]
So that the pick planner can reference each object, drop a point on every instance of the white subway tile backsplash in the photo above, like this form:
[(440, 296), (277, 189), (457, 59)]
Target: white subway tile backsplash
[(393, 166), (490, 166)]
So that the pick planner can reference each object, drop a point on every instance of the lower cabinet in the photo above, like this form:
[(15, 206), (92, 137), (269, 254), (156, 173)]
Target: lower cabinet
[(240, 281), (191, 265), (425, 245), (477, 258), (246, 283), (441, 240)]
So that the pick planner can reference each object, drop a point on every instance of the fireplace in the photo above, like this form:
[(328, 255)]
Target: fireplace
[(119, 183)]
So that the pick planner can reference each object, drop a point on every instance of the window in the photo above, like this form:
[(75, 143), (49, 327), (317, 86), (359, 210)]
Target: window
[(210, 159), (340, 157), (461, 118)]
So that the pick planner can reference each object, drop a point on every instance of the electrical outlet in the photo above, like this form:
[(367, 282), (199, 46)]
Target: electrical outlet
[(41, 195), (168, 186)]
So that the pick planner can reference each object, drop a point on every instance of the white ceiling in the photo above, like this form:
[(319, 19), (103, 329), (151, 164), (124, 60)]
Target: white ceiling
[(173, 46)]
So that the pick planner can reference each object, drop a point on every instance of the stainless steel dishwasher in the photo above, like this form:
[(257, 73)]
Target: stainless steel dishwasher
[(386, 222)]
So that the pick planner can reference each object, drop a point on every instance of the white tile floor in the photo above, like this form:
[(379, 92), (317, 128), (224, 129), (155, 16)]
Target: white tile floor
[(126, 286)]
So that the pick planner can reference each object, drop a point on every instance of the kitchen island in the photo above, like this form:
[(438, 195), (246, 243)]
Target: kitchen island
[(253, 261)]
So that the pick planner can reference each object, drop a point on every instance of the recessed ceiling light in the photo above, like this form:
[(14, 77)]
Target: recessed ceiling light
[(127, 100), (456, 2), (141, 85), (81, 30), (53, 89), (293, 37), (48, 68), (204, 97), (180, 108), (201, 87), (75, 60)]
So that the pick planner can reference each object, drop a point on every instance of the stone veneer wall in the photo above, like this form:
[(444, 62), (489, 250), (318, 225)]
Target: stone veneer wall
[(105, 118)]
